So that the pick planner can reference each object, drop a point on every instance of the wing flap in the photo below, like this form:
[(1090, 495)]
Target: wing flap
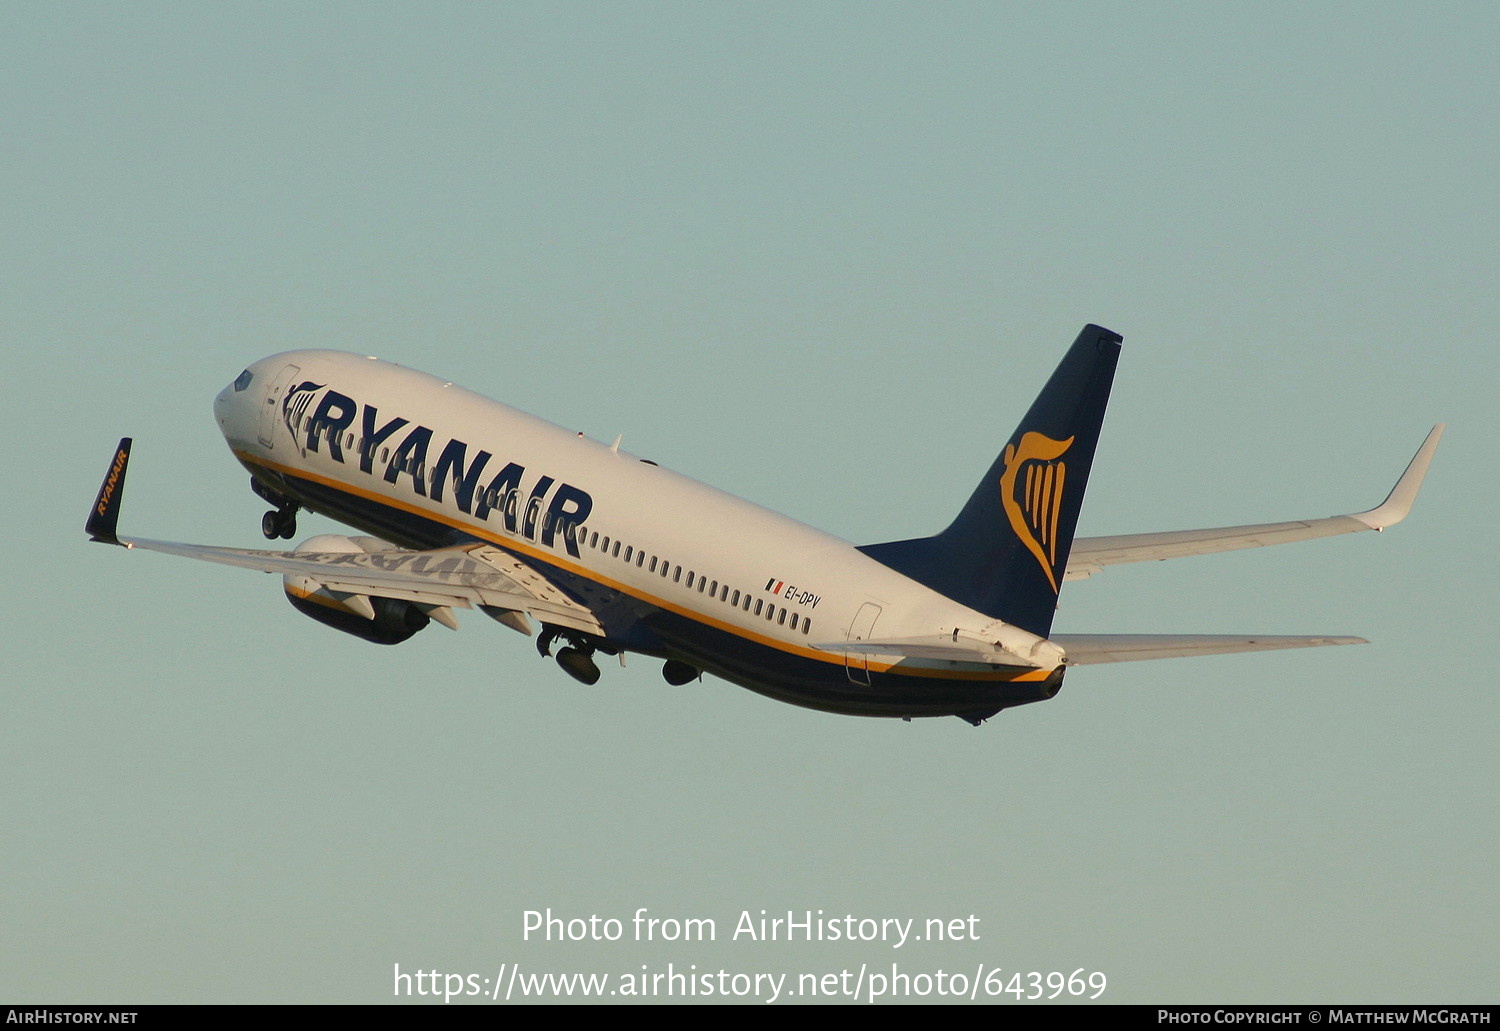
[(464, 577)]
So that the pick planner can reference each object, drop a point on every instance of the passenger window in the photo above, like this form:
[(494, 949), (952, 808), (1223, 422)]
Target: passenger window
[(736, 600), (653, 563), (758, 604), (640, 559), (677, 574), (794, 621), (628, 551), (781, 618), (690, 580)]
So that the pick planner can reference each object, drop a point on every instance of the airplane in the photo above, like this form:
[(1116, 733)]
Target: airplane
[(466, 503)]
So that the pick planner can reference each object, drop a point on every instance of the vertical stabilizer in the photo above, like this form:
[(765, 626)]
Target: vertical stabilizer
[(1006, 552)]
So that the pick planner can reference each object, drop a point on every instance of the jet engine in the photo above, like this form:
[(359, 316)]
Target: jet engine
[(381, 620)]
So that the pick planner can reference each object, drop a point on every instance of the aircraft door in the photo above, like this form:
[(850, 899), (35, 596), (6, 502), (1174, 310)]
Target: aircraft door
[(273, 403), (857, 664)]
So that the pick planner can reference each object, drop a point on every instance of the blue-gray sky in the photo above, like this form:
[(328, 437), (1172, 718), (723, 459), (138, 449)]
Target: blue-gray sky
[(821, 255)]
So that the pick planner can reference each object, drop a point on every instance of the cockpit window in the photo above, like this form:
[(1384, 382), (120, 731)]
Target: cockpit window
[(243, 380)]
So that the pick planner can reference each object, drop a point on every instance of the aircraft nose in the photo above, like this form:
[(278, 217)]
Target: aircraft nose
[(229, 406)]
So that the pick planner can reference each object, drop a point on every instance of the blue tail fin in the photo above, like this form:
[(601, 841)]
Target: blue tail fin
[(1006, 553)]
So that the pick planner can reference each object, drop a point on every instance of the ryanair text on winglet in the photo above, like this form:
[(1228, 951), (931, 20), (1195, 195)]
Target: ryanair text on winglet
[(111, 481)]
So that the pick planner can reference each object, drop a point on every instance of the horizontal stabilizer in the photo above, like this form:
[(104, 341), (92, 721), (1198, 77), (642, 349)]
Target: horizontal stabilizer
[(1087, 649), (943, 648), (1091, 554)]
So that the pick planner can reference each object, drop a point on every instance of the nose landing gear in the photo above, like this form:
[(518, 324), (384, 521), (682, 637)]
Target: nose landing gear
[(283, 521), (280, 523)]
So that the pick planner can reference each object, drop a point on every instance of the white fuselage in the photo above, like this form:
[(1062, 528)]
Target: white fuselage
[(670, 566)]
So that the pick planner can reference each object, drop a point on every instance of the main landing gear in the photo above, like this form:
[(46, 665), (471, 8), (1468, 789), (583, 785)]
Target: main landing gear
[(577, 657), (576, 660), (676, 672), (579, 665)]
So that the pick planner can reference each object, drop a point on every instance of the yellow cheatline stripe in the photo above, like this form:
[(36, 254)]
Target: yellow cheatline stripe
[(552, 558), (317, 599)]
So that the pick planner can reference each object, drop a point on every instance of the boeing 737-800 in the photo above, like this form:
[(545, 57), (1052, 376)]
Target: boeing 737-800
[(465, 503)]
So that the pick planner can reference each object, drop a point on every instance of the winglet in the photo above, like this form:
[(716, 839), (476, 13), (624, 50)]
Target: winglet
[(105, 514), (1398, 503)]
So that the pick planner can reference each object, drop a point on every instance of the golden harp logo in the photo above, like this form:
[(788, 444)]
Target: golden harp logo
[(1031, 489)]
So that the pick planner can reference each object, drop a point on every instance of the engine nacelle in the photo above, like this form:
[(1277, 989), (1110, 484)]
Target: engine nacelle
[(381, 620)]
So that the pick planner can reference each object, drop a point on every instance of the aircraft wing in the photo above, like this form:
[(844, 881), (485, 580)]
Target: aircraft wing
[(1091, 554), (470, 576)]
